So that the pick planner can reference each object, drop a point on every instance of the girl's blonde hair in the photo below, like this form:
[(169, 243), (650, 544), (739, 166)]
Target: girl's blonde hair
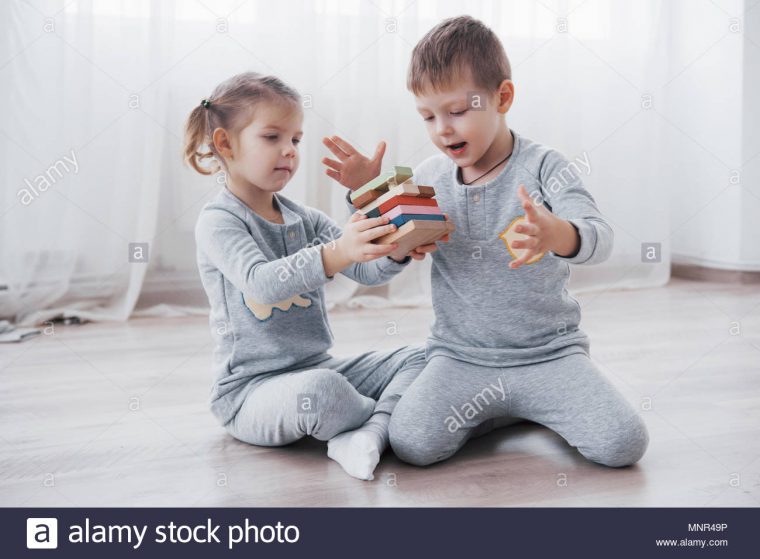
[(230, 107)]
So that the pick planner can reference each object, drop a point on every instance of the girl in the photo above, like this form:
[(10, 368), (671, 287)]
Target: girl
[(264, 260)]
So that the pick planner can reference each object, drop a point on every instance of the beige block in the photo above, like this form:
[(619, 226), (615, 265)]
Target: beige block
[(415, 233)]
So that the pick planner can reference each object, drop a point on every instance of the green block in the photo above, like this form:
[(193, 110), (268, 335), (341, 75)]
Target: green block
[(399, 175), (402, 174), (379, 182)]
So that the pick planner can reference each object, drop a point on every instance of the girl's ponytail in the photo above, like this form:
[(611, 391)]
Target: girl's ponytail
[(197, 138)]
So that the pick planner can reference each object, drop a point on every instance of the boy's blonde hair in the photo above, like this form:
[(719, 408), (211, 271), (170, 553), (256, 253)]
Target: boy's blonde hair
[(451, 49), (230, 107)]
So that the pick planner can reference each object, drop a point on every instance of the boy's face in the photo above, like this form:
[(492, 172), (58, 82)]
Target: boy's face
[(462, 120), (266, 151)]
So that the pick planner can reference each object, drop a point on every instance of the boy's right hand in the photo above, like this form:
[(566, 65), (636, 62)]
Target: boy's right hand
[(352, 169)]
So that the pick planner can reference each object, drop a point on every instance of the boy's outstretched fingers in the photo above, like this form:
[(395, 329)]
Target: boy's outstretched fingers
[(337, 165), (531, 213), (343, 145), (335, 168), (333, 174), (352, 169), (527, 228), (379, 152), (522, 260), (334, 147), (342, 149)]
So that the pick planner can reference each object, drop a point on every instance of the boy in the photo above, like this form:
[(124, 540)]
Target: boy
[(505, 344)]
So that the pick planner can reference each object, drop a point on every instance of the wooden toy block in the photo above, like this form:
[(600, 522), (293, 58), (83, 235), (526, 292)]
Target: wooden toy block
[(402, 174), (366, 198), (383, 182), (400, 220), (399, 201), (416, 210), (379, 183), (407, 188), (415, 233)]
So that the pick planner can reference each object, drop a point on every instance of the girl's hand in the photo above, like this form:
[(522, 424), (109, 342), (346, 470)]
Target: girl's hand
[(358, 234), (545, 232), (352, 169)]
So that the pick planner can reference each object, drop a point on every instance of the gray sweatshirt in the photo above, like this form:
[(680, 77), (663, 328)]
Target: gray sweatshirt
[(264, 283), (485, 312)]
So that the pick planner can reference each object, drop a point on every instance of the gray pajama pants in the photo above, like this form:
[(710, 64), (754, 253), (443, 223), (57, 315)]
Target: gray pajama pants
[(338, 395), (452, 401)]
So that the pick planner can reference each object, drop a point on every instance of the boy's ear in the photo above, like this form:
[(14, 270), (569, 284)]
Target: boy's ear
[(222, 143), (506, 96)]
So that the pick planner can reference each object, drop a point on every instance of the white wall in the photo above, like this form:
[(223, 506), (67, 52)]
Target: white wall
[(750, 180), (712, 109)]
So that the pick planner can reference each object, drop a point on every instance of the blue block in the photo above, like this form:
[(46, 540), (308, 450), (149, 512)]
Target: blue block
[(403, 218)]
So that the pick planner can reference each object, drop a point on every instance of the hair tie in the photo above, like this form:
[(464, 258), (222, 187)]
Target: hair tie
[(205, 103)]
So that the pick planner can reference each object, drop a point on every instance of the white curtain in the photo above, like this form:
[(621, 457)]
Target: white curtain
[(109, 84)]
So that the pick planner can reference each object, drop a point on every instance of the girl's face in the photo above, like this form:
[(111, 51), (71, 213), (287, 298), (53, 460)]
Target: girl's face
[(265, 153)]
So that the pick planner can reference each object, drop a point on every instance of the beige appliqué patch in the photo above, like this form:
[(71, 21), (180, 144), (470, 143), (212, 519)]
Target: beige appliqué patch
[(263, 312)]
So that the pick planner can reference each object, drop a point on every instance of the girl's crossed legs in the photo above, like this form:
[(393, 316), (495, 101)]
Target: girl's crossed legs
[(346, 401)]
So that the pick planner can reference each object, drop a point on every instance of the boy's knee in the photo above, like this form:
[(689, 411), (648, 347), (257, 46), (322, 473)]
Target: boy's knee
[(411, 443), (625, 446)]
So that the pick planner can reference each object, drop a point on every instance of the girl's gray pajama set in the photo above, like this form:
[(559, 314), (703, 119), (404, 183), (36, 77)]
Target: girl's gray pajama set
[(506, 345), (275, 381)]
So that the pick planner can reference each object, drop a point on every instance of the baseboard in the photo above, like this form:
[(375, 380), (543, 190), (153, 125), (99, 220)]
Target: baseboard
[(686, 259), (718, 275), (173, 288)]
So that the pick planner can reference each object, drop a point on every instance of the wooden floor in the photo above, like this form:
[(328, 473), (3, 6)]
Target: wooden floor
[(116, 415)]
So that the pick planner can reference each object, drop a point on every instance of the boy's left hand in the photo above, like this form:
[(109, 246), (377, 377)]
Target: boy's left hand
[(352, 168), (545, 232)]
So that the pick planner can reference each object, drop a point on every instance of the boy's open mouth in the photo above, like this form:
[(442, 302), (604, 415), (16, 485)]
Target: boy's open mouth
[(456, 148)]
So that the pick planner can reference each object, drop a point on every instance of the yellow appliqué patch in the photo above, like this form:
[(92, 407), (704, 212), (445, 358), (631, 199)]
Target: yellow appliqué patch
[(509, 235)]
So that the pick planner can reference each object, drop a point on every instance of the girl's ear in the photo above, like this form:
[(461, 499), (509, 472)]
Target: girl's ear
[(506, 96), (222, 143)]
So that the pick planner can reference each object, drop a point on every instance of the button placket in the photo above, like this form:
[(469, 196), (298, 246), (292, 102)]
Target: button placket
[(292, 239), (476, 213)]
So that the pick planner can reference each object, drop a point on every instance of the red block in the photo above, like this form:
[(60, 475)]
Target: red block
[(407, 201)]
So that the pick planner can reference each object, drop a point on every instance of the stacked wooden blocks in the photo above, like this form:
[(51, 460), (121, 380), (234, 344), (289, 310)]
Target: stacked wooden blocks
[(412, 208)]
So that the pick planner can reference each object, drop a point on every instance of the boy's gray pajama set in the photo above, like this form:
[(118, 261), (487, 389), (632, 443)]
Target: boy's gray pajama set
[(506, 345), (275, 381)]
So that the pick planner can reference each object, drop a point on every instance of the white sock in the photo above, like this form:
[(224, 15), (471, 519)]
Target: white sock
[(358, 451)]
